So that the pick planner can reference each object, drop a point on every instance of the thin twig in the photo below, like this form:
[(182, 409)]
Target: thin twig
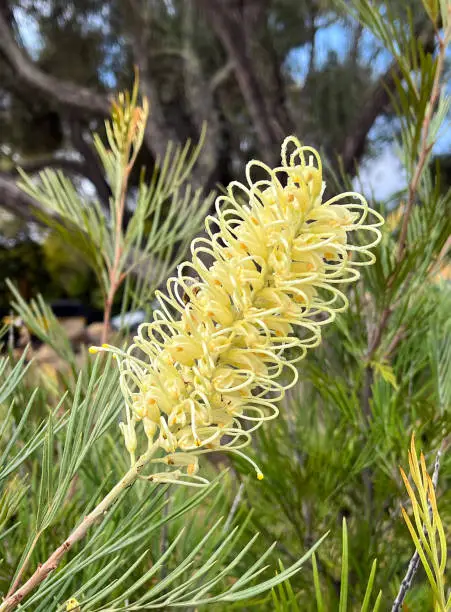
[(424, 151), (45, 569), (129, 155), (114, 272), (415, 560), (425, 147), (397, 338)]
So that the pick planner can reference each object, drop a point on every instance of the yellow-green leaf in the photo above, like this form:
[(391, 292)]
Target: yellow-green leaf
[(386, 371)]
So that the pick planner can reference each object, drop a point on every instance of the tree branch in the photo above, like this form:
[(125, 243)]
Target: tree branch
[(267, 66), (20, 204), (227, 21), (32, 166), (199, 96), (12, 198), (81, 100), (158, 132)]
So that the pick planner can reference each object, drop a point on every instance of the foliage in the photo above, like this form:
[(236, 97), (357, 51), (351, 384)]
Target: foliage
[(381, 373), (330, 459), (81, 428), (166, 210)]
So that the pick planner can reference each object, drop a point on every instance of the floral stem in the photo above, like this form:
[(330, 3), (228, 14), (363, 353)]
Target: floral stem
[(45, 569), (114, 272)]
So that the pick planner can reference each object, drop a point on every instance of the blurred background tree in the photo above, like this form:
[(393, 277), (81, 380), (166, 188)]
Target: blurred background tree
[(254, 70)]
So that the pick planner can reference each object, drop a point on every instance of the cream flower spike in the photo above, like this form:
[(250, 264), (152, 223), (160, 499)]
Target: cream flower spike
[(220, 351)]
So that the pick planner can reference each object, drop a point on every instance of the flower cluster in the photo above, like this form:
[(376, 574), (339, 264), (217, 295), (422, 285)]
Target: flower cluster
[(221, 349)]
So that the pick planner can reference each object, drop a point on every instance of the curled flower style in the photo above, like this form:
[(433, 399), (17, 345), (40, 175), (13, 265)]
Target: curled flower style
[(221, 349)]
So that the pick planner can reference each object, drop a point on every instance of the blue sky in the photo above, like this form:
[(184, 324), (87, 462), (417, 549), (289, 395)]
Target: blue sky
[(336, 38), (29, 32)]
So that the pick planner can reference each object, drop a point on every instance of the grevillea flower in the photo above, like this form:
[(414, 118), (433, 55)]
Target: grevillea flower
[(222, 346)]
